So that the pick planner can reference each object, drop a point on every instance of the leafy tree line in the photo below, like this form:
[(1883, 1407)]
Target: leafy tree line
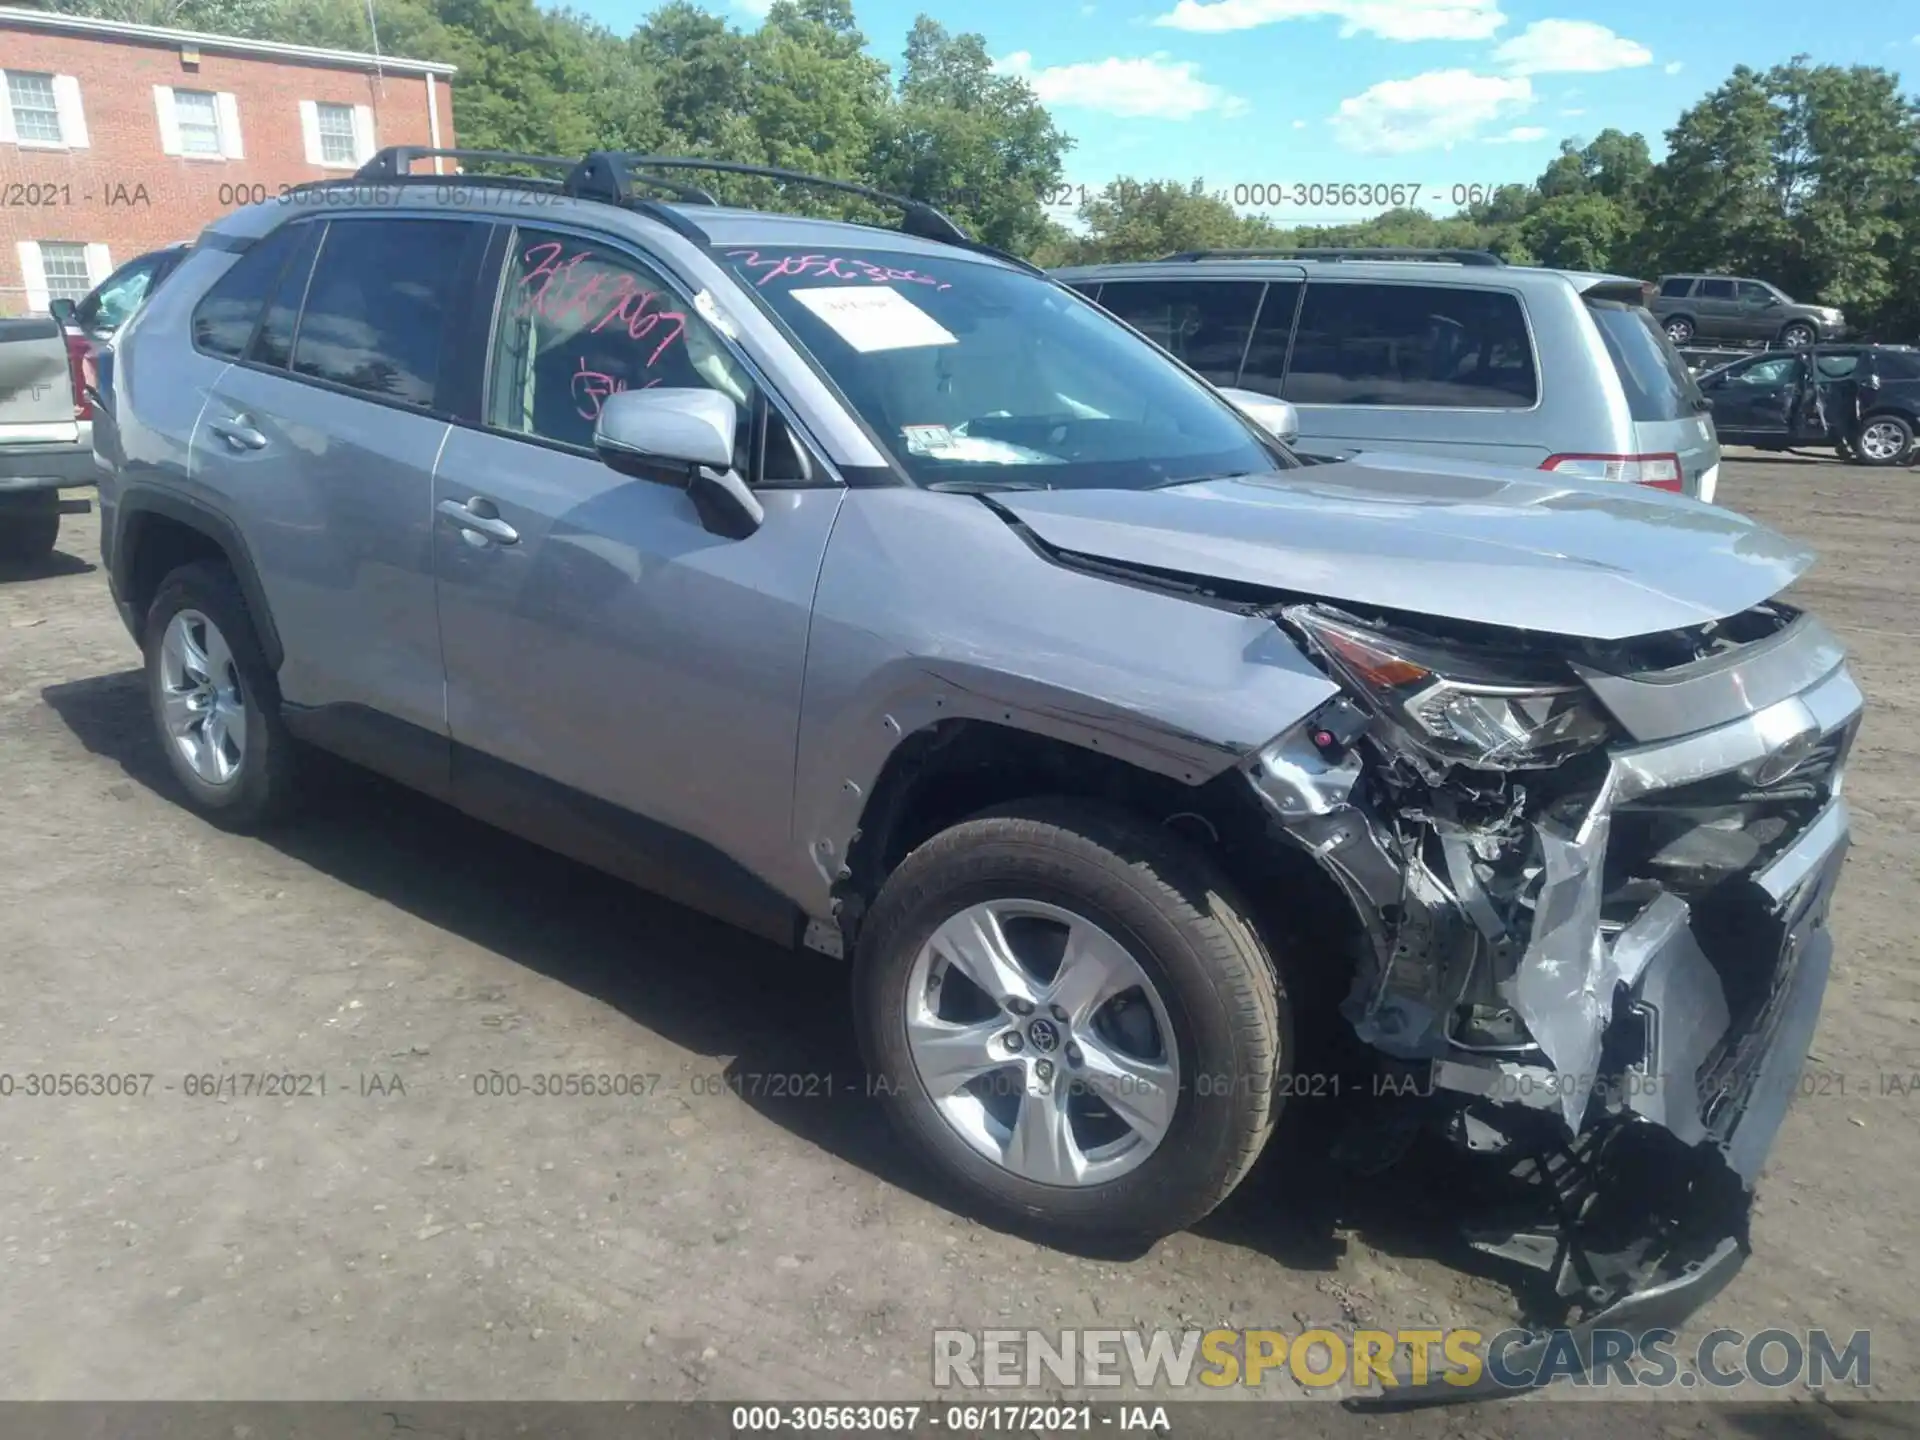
[(1807, 175)]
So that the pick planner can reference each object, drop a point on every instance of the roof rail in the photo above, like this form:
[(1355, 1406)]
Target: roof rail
[(1338, 252), (610, 174), (396, 162)]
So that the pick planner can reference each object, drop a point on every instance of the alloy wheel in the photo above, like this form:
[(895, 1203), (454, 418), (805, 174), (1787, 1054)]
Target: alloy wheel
[(201, 700), (1042, 1042), (1882, 440)]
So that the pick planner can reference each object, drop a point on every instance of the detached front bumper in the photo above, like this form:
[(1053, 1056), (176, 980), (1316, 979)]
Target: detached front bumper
[(1666, 1006)]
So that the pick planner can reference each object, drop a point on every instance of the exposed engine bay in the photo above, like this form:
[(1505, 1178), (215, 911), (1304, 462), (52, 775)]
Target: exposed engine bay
[(1593, 880)]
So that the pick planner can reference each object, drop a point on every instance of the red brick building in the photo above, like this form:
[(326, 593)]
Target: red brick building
[(118, 139)]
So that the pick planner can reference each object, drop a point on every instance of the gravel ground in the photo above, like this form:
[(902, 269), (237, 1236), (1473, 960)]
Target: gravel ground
[(404, 1236)]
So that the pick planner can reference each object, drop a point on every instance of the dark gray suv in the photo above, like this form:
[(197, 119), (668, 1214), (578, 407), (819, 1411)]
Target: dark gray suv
[(877, 593), (1732, 307)]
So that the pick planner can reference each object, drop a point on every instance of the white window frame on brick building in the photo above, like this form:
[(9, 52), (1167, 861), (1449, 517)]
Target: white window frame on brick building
[(23, 116), (52, 269), (215, 126), (314, 135)]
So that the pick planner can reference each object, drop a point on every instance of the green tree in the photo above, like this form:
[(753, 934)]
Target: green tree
[(1134, 220), (976, 143)]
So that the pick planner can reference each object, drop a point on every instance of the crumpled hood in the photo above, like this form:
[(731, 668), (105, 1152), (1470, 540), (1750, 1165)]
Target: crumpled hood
[(1483, 543)]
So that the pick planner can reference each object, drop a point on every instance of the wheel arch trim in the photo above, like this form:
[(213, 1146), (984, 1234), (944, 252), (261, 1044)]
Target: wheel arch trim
[(140, 504)]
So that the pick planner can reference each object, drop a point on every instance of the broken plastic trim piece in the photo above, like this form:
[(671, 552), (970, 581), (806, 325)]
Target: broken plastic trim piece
[(1662, 1307)]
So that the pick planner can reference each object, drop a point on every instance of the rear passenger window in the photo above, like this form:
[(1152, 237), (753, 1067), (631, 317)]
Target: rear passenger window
[(273, 345), (1895, 364), (223, 321), (1376, 344), (1716, 290), (1267, 355), (1203, 322), (379, 303)]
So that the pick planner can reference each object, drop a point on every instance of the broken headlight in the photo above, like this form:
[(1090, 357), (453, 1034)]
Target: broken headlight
[(1469, 707)]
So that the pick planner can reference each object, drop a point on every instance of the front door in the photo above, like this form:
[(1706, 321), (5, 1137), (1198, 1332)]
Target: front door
[(622, 684), (1753, 403)]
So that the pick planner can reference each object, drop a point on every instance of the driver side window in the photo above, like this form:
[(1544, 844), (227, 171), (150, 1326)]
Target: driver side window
[(579, 322)]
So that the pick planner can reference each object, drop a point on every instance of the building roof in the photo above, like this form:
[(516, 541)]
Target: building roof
[(13, 18)]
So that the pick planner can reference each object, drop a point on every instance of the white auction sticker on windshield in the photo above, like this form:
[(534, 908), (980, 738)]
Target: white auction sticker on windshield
[(874, 317)]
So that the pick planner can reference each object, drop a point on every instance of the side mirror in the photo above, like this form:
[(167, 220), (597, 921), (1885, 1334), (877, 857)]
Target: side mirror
[(61, 310), (1277, 417), (682, 438)]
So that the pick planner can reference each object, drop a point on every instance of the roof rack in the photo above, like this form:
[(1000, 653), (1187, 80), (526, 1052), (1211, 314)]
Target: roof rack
[(396, 163), (609, 175), (1337, 252), (614, 176)]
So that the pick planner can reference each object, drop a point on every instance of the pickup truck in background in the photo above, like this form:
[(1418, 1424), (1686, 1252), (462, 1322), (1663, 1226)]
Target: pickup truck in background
[(46, 420)]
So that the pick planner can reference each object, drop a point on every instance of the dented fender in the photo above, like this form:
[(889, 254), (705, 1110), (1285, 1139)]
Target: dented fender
[(912, 578)]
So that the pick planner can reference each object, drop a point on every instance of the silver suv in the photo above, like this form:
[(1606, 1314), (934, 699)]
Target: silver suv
[(875, 592), (1450, 353)]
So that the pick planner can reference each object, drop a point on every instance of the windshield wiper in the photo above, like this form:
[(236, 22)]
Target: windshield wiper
[(1204, 480), (982, 487)]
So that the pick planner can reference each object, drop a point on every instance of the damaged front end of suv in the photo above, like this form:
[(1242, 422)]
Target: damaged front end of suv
[(1593, 878)]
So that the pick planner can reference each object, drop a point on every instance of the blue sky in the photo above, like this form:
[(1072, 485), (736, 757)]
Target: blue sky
[(1434, 94)]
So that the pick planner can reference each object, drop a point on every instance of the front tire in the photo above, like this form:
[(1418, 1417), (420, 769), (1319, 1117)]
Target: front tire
[(1068, 1016), (214, 700), (1798, 336), (1884, 440)]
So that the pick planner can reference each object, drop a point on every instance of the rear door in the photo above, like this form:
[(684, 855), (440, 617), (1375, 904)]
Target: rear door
[(1716, 315), (36, 385), (320, 441)]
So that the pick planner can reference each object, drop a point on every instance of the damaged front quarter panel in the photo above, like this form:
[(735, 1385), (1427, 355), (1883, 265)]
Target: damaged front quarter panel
[(1627, 946)]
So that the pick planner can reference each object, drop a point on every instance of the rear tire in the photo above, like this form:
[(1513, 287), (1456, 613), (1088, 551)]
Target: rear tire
[(28, 539), (215, 702), (1188, 1054), (1679, 329), (1884, 440)]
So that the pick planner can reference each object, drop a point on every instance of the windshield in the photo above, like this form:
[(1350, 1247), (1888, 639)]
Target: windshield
[(975, 375), (1655, 378)]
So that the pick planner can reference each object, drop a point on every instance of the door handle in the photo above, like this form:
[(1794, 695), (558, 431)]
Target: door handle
[(478, 518), (238, 431)]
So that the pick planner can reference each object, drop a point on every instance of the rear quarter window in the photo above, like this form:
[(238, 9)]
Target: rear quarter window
[(1654, 377), (1426, 346), (223, 321), (1676, 287)]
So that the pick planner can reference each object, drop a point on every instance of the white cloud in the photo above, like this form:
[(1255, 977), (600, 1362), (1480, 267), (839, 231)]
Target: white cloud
[(1575, 110), (1157, 87), (754, 7), (1086, 9), (1433, 111), (1519, 135), (1672, 67), (1299, 124), (1560, 47), (1389, 19)]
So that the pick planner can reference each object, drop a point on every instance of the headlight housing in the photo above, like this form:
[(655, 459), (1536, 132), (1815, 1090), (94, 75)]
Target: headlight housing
[(1459, 706)]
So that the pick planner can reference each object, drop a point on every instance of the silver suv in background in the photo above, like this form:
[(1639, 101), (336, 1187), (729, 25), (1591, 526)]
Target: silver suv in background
[(879, 594), (1449, 353)]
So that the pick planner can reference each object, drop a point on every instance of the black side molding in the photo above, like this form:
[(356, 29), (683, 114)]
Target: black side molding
[(140, 504)]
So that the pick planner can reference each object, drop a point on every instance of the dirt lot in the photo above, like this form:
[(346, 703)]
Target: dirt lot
[(403, 1236)]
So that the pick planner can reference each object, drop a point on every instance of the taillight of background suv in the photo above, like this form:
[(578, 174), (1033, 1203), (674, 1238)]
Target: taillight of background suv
[(1657, 472), (79, 360)]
